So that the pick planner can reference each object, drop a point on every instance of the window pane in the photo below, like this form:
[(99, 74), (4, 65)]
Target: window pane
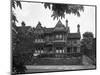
[(63, 51), (68, 50), (60, 51), (60, 36), (56, 51), (75, 49), (78, 50), (57, 36)]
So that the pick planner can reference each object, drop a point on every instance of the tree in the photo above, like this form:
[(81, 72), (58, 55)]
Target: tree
[(17, 63), (88, 45), (59, 10), (23, 49), (14, 3), (87, 40)]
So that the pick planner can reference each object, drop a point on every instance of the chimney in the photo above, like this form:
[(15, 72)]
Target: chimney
[(39, 23), (78, 28), (66, 23), (23, 24)]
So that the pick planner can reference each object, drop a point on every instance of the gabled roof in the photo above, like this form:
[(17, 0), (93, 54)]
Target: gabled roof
[(59, 26), (39, 26), (74, 36), (39, 29)]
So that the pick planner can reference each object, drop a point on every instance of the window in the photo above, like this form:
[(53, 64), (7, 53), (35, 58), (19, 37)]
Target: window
[(60, 51), (63, 51), (59, 36), (47, 38), (75, 49), (38, 40), (38, 50), (35, 51), (35, 40), (41, 48), (75, 41), (68, 50), (41, 51), (57, 51), (78, 49), (69, 42)]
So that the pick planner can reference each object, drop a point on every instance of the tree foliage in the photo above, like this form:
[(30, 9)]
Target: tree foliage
[(59, 10), (87, 40), (88, 46), (15, 3), (17, 62), (22, 51), (88, 35)]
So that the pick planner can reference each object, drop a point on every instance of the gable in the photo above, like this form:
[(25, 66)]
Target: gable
[(59, 26)]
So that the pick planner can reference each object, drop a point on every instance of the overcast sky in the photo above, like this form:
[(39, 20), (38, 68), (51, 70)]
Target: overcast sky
[(31, 13)]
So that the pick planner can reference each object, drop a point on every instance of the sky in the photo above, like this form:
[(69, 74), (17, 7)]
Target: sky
[(32, 13)]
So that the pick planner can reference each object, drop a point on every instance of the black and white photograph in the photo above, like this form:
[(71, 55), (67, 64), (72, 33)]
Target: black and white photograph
[(52, 37)]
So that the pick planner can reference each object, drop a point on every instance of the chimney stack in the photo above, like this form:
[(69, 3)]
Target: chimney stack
[(78, 28), (23, 24), (66, 23)]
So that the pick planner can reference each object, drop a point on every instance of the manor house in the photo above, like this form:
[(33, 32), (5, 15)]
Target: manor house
[(58, 41)]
